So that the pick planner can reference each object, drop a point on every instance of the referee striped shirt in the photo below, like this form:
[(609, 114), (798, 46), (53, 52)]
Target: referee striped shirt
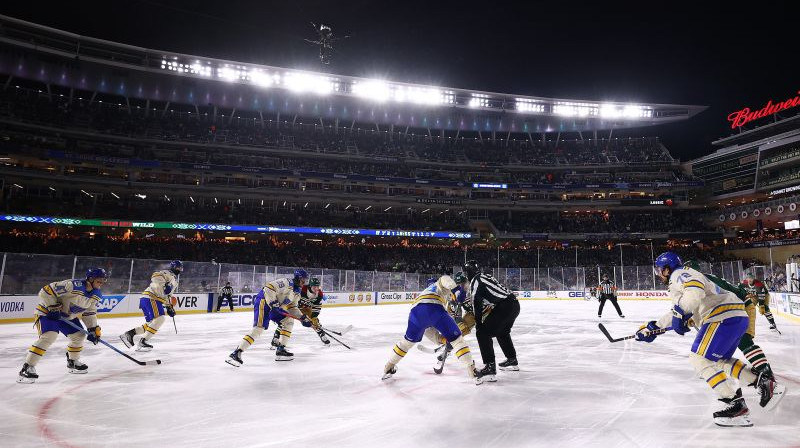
[(485, 287), (606, 287)]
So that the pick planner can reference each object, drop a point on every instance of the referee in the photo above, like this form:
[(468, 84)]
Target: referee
[(496, 308), (225, 293), (608, 292)]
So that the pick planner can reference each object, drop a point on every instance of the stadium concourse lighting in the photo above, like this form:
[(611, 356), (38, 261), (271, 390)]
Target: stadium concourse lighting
[(141, 196), (374, 90), (264, 79), (624, 111), (387, 208), (304, 82), (327, 205), (368, 207), (348, 206), (526, 105), (191, 199), (84, 192), (53, 189), (572, 109), (305, 205), (114, 194)]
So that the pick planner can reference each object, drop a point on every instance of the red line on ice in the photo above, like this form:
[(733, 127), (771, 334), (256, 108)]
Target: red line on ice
[(42, 418)]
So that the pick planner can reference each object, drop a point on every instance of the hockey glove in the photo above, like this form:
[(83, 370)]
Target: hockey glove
[(170, 310), (680, 320), (305, 321), (94, 334), (54, 312), (644, 333)]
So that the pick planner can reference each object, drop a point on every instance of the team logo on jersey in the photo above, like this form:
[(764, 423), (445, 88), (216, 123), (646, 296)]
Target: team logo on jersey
[(109, 303)]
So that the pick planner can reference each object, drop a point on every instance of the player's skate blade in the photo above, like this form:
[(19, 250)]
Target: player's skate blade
[(772, 395), (27, 375), (387, 373), (235, 358), (127, 338), (742, 420)]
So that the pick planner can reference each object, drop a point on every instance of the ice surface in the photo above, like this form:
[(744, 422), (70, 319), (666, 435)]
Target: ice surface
[(574, 389)]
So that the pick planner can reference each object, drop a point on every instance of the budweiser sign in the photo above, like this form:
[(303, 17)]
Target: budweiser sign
[(744, 116)]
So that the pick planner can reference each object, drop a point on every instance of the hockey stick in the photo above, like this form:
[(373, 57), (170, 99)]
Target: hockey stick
[(174, 325), (332, 337), (425, 349), (439, 367), (348, 328), (610, 339), (321, 328), (141, 363)]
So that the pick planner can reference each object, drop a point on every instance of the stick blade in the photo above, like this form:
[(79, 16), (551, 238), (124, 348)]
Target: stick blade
[(605, 332), (153, 363)]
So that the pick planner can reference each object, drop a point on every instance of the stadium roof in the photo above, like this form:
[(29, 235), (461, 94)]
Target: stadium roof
[(304, 92)]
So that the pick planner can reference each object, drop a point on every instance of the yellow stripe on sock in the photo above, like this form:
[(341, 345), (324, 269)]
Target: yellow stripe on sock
[(462, 352), (716, 379), (399, 351), (74, 349), (36, 350), (249, 339), (737, 368)]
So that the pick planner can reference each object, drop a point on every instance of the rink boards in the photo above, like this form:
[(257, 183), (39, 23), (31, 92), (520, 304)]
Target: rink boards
[(20, 308)]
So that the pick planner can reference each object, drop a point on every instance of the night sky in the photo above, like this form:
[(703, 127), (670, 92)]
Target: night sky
[(706, 53)]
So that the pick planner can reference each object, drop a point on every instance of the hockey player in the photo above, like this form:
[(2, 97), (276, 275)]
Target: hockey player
[(608, 291), (310, 304), (485, 291), (723, 321), (66, 299), (752, 352), (153, 303), (459, 308), (757, 288), (276, 301), (429, 311)]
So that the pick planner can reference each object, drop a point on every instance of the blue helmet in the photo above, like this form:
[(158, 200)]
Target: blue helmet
[(176, 266), (96, 273), (300, 273), (670, 259), (430, 281)]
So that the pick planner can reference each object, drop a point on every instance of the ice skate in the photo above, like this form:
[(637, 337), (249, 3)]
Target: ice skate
[(28, 374), (771, 392), (235, 358), (509, 364), (143, 346), (487, 374), (281, 354), (127, 338), (735, 412), (388, 371), (76, 366)]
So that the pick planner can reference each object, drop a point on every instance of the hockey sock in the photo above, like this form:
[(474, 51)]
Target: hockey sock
[(753, 353), (151, 328), (714, 375), (769, 317), (75, 345), (399, 351), (39, 348), (250, 338), (461, 350), (737, 369)]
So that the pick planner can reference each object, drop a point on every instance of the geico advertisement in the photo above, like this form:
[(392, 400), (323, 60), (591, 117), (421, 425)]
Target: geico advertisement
[(550, 295), (331, 298), (396, 297)]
